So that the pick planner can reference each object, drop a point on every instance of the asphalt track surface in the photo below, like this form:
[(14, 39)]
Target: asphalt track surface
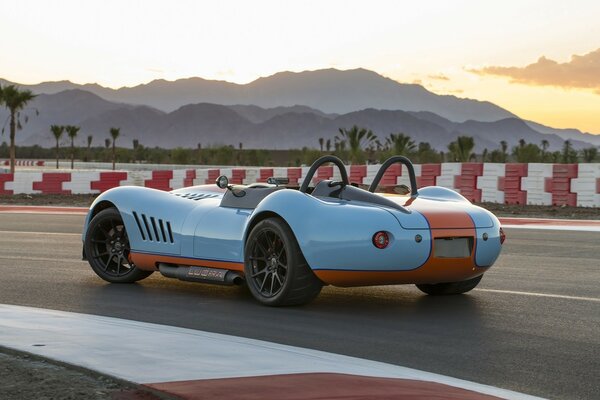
[(533, 324)]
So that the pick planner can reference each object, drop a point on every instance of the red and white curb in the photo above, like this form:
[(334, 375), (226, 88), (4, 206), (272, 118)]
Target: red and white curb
[(190, 363), (507, 222)]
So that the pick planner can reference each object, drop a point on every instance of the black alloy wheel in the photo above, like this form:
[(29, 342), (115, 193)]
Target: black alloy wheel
[(275, 269), (107, 249)]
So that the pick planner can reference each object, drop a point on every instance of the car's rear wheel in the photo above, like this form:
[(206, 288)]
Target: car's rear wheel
[(276, 271), (107, 249), (447, 288)]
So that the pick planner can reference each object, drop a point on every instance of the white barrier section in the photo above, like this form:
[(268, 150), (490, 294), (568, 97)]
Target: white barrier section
[(585, 185), (252, 176), (488, 182), (535, 182), (136, 178), (404, 179), (280, 172), (81, 182), (448, 172), (178, 177), (23, 182), (201, 177), (371, 172)]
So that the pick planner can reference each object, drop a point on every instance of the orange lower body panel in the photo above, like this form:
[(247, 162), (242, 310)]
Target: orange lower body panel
[(435, 270), (149, 262)]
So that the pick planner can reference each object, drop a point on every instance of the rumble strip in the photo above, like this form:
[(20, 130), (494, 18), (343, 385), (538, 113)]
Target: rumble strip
[(194, 364)]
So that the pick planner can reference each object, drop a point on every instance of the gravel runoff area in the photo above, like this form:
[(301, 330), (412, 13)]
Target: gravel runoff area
[(28, 377), (501, 210)]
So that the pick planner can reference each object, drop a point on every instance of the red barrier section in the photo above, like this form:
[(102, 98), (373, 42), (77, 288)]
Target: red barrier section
[(265, 173), (598, 185), (294, 174), (3, 179), (213, 174), (560, 184), (108, 180), (237, 176), (390, 177), (323, 173), (466, 182), (357, 173), (429, 174), (40, 163), (160, 180), (190, 175), (511, 184), (51, 183)]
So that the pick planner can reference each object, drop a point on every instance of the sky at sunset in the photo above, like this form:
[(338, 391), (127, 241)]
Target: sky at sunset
[(538, 59)]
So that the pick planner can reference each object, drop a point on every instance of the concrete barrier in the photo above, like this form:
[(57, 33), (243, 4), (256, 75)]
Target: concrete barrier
[(543, 184)]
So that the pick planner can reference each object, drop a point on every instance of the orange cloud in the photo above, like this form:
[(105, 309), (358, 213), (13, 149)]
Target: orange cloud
[(440, 77), (580, 72)]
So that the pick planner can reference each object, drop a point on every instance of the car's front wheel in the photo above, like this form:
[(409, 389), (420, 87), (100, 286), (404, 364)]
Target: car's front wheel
[(107, 249), (276, 271), (438, 289)]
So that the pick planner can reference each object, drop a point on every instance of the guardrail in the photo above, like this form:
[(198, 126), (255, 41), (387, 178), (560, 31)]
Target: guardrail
[(543, 184)]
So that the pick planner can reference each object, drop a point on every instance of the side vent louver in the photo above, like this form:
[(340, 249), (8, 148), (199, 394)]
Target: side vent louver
[(150, 229)]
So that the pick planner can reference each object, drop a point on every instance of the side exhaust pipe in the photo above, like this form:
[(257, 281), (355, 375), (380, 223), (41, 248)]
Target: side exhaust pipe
[(201, 274)]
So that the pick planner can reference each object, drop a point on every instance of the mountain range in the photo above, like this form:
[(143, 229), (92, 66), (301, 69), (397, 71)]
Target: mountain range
[(286, 110)]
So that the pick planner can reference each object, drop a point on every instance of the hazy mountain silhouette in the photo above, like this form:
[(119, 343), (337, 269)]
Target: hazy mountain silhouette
[(253, 126), (328, 90)]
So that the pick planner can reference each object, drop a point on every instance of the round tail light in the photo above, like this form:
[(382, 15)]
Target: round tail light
[(502, 236), (381, 240)]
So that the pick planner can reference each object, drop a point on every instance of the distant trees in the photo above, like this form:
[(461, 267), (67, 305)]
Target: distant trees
[(321, 141), (57, 131), (72, 133), (461, 149), (114, 134), (527, 152), (14, 100), (589, 155)]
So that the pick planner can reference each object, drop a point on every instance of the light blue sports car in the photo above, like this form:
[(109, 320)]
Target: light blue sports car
[(286, 243)]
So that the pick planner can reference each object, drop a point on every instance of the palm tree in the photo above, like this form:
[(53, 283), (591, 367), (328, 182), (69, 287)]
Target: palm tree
[(328, 145), (545, 144), (321, 140), (504, 150), (401, 144), (57, 131), (462, 148), (72, 133), (89, 145), (356, 138), (114, 133), (14, 100)]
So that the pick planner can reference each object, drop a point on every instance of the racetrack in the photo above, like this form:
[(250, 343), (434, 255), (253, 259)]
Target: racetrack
[(532, 325)]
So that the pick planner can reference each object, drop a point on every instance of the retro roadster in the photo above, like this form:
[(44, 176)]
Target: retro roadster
[(285, 243)]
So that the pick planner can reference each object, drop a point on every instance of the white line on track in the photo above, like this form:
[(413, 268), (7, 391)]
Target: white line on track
[(150, 353), (40, 233), (555, 227), (554, 296)]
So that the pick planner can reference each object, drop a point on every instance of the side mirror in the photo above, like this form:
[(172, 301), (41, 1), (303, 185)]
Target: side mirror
[(222, 182)]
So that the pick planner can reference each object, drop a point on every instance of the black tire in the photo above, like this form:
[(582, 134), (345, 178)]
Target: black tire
[(107, 249), (441, 289), (276, 271)]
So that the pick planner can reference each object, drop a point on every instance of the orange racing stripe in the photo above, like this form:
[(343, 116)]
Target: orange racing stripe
[(149, 262)]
